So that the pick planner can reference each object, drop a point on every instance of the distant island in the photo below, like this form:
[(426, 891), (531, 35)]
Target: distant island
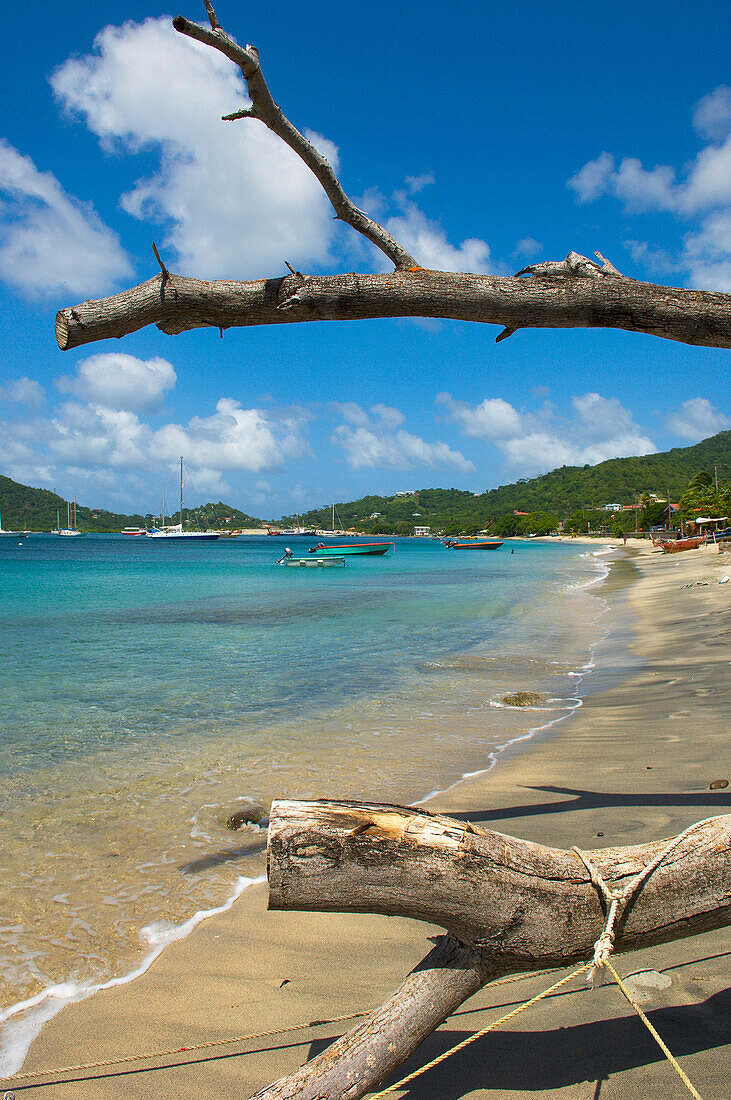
[(616, 494)]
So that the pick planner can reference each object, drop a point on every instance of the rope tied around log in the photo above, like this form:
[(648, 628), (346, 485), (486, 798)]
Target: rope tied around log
[(617, 901)]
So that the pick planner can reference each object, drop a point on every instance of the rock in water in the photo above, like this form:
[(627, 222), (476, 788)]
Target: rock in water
[(522, 699), (249, 815)]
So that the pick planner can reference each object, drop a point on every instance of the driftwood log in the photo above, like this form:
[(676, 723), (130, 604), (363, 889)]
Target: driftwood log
[(571, 293), (507, 905)]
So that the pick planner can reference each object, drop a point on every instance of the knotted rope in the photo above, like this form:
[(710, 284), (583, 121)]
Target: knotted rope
[(617, 901)]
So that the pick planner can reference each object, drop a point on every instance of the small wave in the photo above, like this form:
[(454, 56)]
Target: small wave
[(28, 1017)]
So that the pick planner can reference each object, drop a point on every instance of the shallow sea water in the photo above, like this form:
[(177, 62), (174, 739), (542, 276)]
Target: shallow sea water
[(149, 690)]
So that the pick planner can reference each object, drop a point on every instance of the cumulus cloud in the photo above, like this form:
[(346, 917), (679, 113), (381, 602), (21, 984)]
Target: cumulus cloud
[(233, 438), (532, 443), (427, 242), (23, 391), (400, 450), (234, 198), (700, 195), (712, 114), (49, 240), (696, 419), (388, 416), (493, 418), (121, 381), (375, 438)]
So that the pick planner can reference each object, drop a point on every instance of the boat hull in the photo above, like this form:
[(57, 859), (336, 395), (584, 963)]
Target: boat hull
[(372, 548), (14, 534), (678, 545), (187, 536), (492, 545), (311, 562)]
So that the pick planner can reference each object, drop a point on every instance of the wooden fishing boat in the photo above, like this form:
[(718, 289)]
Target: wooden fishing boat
[(323, 550), (675, 546), (488, 544)]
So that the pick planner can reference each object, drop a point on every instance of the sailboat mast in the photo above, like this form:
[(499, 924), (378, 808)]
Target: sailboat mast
[(333, 522), (181, 494)]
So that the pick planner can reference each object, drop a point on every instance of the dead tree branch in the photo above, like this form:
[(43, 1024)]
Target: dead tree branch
[(508, 905), (571, 293), (545, 301)]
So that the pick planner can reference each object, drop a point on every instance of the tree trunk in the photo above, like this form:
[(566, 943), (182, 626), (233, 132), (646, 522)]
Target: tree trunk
[(508, 905), (359, 1061)]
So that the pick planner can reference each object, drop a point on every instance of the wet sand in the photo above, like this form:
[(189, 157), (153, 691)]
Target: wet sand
[(633, 764)]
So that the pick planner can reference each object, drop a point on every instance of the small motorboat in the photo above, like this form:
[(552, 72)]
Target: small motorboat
[(489, 544), (317, 562), (324, 550)]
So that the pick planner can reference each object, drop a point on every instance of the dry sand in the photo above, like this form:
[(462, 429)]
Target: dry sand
[(634, 764)]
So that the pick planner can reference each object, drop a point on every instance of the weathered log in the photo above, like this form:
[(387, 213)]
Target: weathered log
[(508, 905)]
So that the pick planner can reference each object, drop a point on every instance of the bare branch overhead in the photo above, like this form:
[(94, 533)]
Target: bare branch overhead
[(573, 293)]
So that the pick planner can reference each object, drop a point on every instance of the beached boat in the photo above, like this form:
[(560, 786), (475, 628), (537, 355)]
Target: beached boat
[(676, 546), (307, 562), (322, 550), (490, 544), (175, 531), (11, 534)]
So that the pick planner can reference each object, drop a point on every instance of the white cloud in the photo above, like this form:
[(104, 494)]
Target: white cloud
[(350, 411), (493, 418), (49, 241), (712, 114), (121, 381), (234, 199), (376, 438), (415, 184), (23, 391), (388, 416), (697, 419), (528, 248), (700, 194), (427, 242), (232, 438), (532, 443), (400, 450)]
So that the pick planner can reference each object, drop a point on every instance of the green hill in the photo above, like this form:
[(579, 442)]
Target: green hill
[(24, 508), (560, 492)]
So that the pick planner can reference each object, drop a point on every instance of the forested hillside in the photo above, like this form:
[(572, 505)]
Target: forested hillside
[(560, 492), (24, 508)]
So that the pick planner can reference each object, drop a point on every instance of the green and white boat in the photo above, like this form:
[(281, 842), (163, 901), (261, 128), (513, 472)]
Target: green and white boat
[(336, 550)]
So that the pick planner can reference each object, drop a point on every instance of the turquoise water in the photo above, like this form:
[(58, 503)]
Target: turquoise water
[(148, 688)]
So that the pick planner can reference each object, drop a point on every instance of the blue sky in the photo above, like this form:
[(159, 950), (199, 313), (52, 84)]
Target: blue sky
[(485, 136)]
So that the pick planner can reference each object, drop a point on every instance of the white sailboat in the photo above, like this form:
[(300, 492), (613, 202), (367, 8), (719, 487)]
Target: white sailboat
[(68, 531), (11, 534), (175, 531)]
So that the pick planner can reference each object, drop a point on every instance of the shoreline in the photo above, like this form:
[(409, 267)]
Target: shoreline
[(196, 979)]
